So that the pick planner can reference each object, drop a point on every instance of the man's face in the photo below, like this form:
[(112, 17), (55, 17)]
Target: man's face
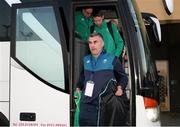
[(87, 12), (95, 45), (98, 20)]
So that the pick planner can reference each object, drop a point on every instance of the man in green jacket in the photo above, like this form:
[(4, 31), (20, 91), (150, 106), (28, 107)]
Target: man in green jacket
[(83, 22), (113, 43)]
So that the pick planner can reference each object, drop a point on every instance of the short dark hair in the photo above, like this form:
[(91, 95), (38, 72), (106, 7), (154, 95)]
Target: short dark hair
[(98, 13), (87, 7), (96, 34)]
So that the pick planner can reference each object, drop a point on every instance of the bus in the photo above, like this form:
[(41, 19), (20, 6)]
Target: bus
[(44, 59)]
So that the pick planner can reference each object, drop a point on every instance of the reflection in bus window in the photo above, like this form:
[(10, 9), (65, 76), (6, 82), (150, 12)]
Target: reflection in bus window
[(38, 44)]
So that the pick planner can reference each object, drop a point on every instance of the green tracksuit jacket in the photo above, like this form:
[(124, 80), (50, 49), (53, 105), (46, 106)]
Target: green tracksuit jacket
[(111, 45), (82, 25)]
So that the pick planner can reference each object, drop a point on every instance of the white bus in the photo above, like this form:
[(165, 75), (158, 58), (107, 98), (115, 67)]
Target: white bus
[(41, 64)]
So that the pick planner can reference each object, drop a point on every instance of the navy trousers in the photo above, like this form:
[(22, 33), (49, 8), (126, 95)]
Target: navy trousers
[(88, 115)]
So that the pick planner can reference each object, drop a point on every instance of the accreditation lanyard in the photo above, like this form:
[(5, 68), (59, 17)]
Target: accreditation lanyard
[(90, 84)]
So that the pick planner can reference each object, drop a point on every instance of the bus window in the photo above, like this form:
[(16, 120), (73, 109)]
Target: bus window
[(37, 39)]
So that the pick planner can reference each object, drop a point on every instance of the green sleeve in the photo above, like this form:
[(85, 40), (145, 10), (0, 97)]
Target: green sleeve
[(79, 25), (82, 27), (118, 40)]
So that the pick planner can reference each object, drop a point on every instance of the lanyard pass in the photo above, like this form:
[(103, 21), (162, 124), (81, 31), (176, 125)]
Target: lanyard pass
[(89, 88)]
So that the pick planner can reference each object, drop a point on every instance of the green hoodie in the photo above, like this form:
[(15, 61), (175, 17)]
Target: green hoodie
[(114, 46), (82, 25)]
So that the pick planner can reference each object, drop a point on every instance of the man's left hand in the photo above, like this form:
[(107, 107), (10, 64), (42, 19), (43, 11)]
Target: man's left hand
[(119, 91)]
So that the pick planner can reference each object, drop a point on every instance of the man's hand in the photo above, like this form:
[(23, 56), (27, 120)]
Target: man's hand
[(77, 93), (119, 91), (78, 89)]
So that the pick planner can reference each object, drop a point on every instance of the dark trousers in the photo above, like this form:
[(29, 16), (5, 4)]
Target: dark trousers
[(88, 115)]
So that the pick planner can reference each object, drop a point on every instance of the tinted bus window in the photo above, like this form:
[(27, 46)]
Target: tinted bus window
[(38, 44), (5, 21)]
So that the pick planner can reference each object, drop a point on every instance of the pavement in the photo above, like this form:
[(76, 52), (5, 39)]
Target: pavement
[(170, 118)]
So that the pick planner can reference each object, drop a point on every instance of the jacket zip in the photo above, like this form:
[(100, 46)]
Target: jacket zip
[(100, 99)]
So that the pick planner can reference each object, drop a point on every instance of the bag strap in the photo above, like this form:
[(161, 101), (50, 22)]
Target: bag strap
[(109, 25), (92, 29)]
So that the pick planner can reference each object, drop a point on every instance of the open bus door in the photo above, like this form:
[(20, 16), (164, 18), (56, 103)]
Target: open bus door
[(39, 67), (142, 89)]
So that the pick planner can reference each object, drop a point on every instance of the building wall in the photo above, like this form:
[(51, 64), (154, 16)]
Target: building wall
[(169, 50), (156, 7)]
